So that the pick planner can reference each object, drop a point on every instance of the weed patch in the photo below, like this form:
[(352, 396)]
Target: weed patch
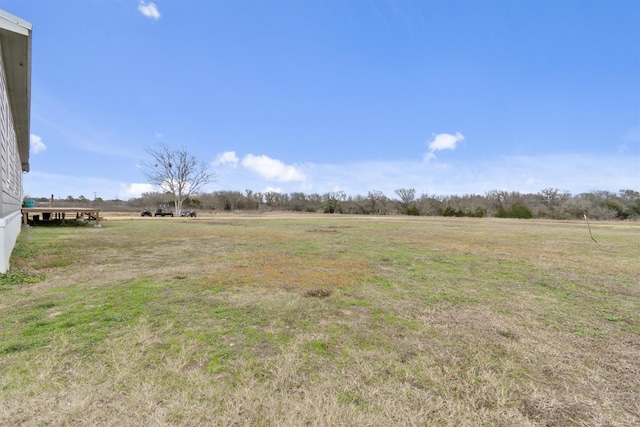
[(17, 278)]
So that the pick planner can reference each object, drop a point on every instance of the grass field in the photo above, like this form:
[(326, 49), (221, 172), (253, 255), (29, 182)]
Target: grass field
[(322, 320)]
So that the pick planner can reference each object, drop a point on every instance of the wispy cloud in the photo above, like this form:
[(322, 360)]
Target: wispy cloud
[(272, 169), (43, 184), (136, 189), (443, 141), (228, 158), (149, 9), (37, 146), (273, 190)]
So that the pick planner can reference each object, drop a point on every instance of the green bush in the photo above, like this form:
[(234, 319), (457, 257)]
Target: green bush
[(413, 210), (449, 211), (518, 210)]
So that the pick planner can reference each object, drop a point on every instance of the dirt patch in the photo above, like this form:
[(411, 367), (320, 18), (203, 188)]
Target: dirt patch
[(317, 293)]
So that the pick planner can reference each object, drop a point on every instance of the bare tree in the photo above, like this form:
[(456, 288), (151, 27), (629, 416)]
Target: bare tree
[(298, 201), (270, 198), (253, 199), (333, 201), (177, 173), (407, 197), (377, 202)]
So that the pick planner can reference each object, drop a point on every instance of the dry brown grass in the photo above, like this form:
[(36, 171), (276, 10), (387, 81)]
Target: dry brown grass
[(322, 320)]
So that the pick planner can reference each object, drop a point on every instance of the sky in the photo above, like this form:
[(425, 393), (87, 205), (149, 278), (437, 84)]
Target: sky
[(446, 97)]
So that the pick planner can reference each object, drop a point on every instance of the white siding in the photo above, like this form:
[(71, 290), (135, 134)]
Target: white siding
[(10, 167), (10, 177)]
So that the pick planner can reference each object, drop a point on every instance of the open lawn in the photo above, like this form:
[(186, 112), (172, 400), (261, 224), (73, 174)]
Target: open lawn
[(322, 320)]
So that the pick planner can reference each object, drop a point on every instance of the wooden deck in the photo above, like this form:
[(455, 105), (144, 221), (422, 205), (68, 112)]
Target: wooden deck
[(60, 214)]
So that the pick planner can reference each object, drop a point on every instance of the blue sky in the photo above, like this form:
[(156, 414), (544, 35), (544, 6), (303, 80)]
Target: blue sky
[(447, 97)]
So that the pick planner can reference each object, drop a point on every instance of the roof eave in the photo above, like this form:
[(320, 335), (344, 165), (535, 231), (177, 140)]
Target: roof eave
[(15, 38)]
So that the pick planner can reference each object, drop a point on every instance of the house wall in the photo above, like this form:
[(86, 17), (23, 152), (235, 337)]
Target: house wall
[(10, 176)]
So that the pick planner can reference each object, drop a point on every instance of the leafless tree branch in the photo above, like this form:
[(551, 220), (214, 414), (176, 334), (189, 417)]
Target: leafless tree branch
[(176, 172)]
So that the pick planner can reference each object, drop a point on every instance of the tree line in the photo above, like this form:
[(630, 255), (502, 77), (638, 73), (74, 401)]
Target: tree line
[(549, 203), (180, 176)]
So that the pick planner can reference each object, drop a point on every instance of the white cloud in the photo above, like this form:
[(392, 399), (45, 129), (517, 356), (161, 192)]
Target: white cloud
[(136, 189), (38, 183), (37, 146), (443, 141), (226, 158), (150, 10), (272, 169)]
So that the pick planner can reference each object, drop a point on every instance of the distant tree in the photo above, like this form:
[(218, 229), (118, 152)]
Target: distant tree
[(553, 202), (378, 202), (177, 172), (270, 198), (600, 204), (192, 202), (314, 202), (297, 201), (407, 197), (333, 201), (429, 205), (252, 199), (496, 201), (228, 200), (554, 198), (631, 200)]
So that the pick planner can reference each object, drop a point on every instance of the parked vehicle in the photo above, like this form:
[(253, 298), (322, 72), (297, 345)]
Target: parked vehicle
[(145, 212), (164, 209), (160, 212), (191, 213)]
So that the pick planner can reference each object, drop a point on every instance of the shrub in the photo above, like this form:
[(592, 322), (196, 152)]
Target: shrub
[(413, 210), (518, 210)]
